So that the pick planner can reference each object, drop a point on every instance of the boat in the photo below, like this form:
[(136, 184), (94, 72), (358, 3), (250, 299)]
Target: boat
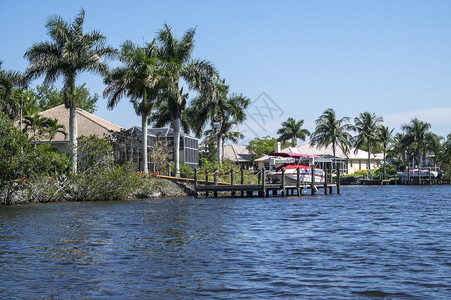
[(303, 162), (418, 173)]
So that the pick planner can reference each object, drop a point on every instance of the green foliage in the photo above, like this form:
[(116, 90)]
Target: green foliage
[(185, 171), (48, 96), (360, 173), (292, 130), (47, 161), (224, 172), (13, 146), (115, 183), (94, 151), (389, 169), (259, 147)]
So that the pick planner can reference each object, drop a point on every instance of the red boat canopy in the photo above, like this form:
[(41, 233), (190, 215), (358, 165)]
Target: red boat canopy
[(291, 154)]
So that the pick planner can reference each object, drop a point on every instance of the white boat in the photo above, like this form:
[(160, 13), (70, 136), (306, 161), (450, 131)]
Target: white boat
[(418, 173), (301, 162)]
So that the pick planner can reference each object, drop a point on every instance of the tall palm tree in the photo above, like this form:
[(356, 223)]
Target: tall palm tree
[(138, 79), (415, 136), (330, 130), (366, 125), (384, 136), (433, 144), (199, 75), (227, 112), (292, 130), (68, 54)]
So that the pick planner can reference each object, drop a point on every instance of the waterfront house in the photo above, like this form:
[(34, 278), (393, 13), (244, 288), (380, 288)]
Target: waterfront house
[(88, 124), (349, 163), (238, 155), (189, 146)]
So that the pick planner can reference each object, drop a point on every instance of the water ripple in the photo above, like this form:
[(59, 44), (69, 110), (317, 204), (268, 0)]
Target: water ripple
[(370, 242)]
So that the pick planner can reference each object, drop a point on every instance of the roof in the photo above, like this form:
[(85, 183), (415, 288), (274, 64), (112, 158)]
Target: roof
[(159, 132), (309, 149), (88, 123), (236, 153)]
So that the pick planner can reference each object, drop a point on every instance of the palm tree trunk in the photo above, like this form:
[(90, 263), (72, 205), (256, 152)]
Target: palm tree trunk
[(369, 160), (385, 163), (73, 136), (177, 145), (220, 147), (335, 159), (145, 167), (73, 124)]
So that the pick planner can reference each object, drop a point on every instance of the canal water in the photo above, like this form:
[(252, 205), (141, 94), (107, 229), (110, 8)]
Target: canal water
[(370, 242)]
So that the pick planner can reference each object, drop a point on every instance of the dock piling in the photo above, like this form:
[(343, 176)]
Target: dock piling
[(313, 180), (298, 181), (283, 182), (232, 180), (216, 174), (195, 183), (242, 180), (325, 182)]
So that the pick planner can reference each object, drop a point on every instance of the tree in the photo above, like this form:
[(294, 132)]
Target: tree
[(138, 79), (259, 147), (384, 136), (69, 53), (433, 144), (332, 131), (292, 130), (415, 136), (42, 128), (199, 75), (227, 112), (367, 126), (9, 81), (47, 97)]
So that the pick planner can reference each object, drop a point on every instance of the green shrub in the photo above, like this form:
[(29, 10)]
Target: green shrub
[(389, 169), (185, 171), (116, 183)]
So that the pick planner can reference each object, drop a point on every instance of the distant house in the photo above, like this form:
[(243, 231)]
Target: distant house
[(88, 124), (237, 155), (349, 163), (189, 146)]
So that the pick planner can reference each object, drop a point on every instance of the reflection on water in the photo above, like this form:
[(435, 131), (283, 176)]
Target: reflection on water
[(370, 242)]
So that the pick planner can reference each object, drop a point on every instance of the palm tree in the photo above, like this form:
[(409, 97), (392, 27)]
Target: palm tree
[(332, 131), (433, 143), (69, 53), (384, 136), (199, 75), (42, 127), (227, 112), (139, 80), (415, 136), (9, 81), (366, 126), (292, 130)]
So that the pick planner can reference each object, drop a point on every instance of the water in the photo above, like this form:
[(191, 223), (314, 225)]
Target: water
[(391, 242)]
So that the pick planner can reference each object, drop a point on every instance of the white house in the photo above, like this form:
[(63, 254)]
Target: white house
[(349, 163)]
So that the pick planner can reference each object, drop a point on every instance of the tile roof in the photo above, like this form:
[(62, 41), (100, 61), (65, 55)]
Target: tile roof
[(87, 123), (236, 153)]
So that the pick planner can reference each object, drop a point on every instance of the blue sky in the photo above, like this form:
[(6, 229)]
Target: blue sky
[(291, 58)]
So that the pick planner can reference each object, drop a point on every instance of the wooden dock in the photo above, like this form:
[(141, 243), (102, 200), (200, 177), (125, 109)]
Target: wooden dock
[(263, 188)]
